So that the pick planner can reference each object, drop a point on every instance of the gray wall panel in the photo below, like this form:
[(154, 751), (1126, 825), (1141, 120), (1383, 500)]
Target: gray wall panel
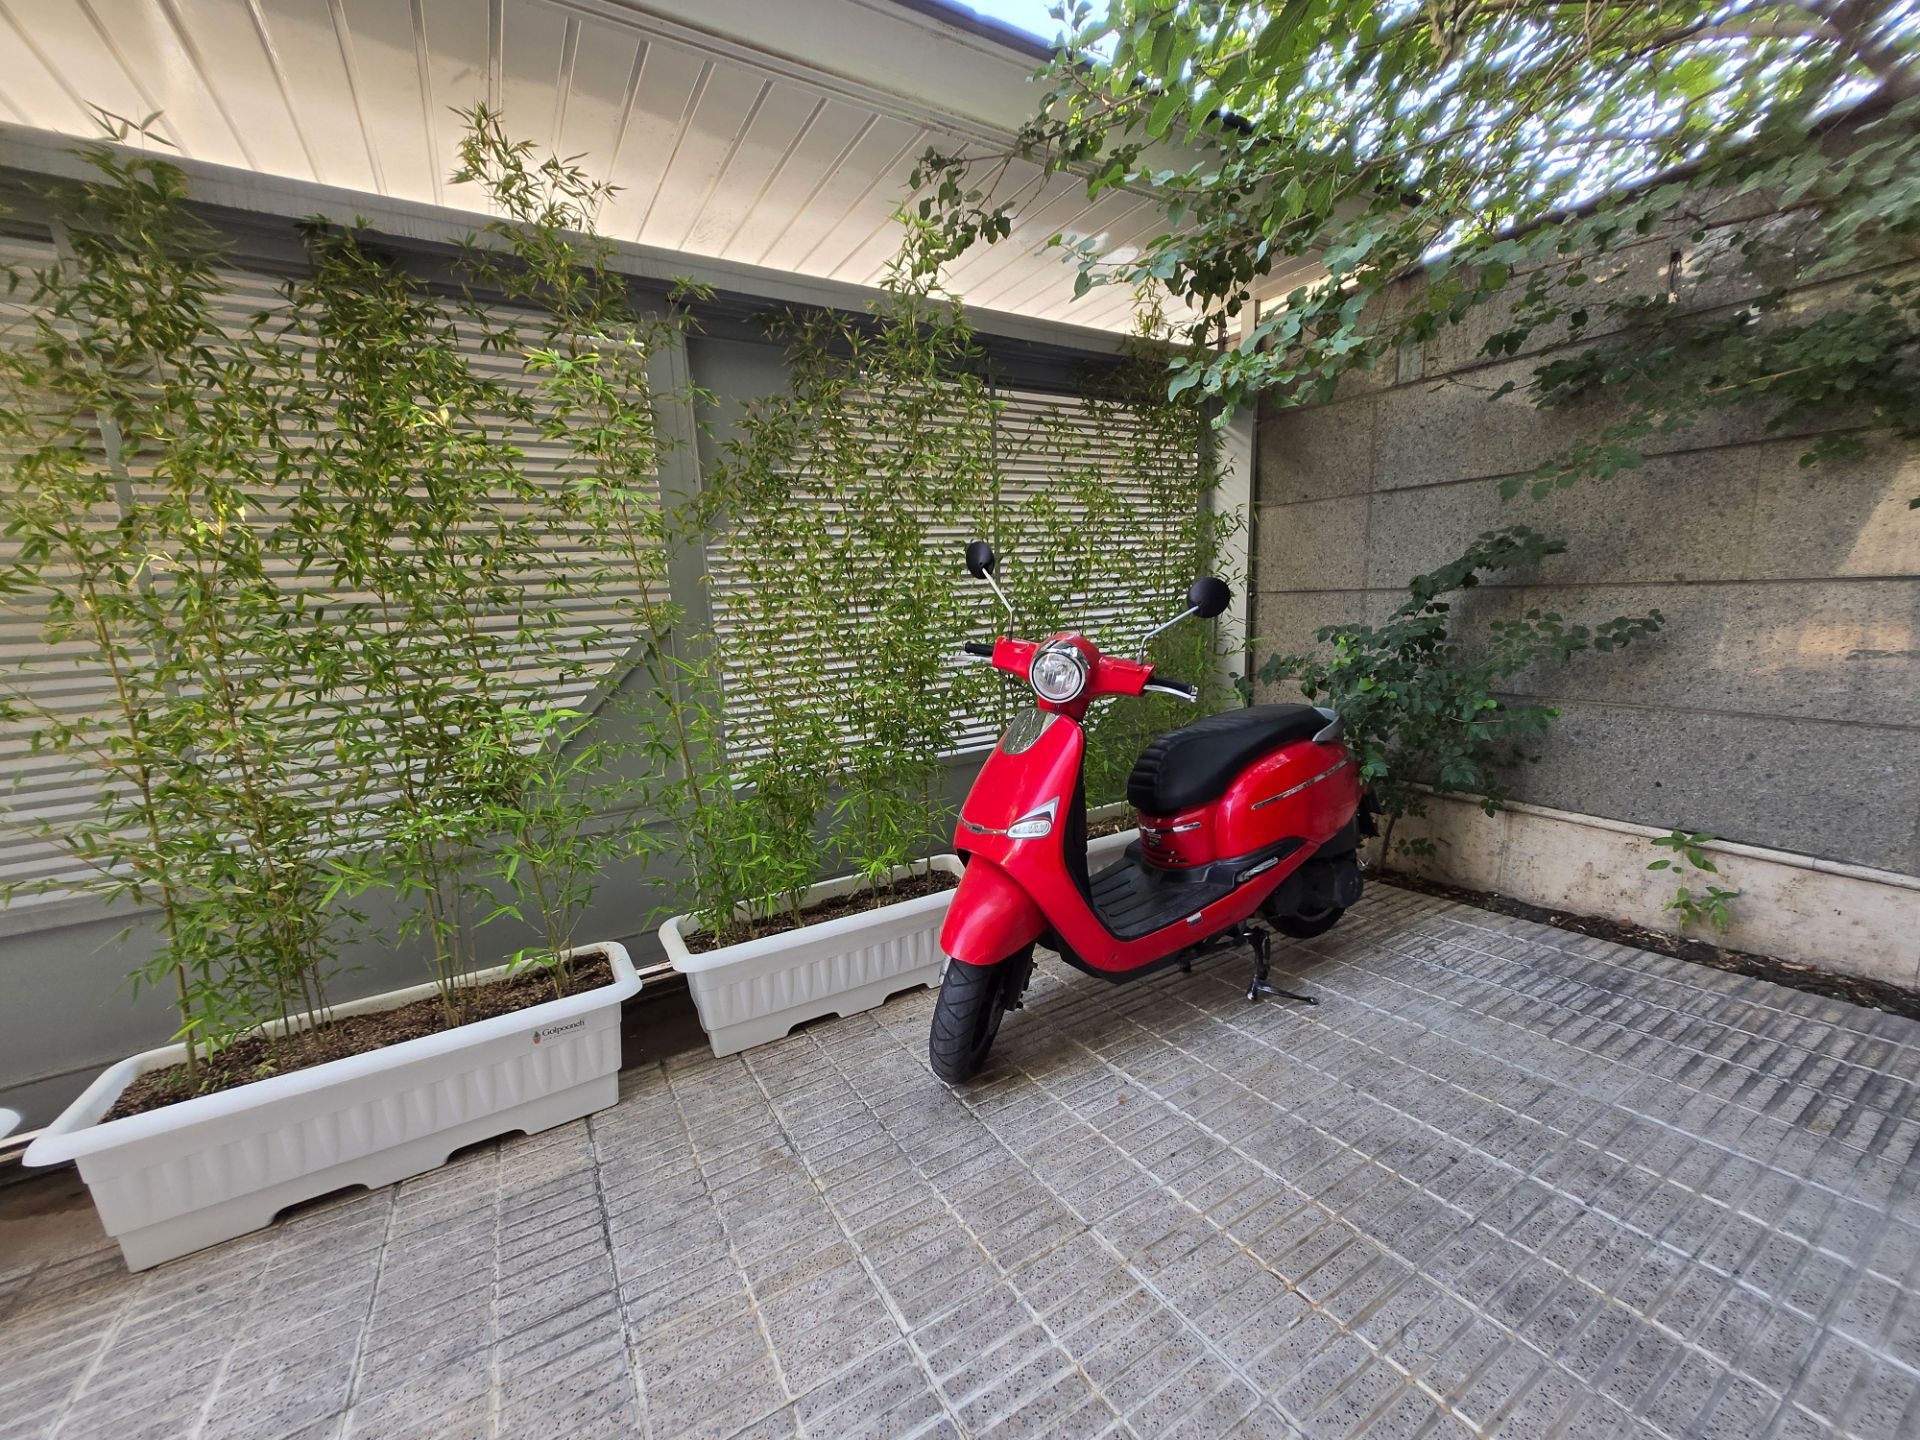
[(1781, 706)]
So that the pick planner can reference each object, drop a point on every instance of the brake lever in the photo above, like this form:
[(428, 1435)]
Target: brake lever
[(1191, 696)]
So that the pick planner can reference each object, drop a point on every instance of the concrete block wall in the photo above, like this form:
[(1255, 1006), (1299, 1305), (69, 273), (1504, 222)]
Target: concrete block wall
[(1781, 707)]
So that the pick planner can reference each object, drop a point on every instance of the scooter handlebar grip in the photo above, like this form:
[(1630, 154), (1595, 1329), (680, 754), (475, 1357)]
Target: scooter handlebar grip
[(978, 647)]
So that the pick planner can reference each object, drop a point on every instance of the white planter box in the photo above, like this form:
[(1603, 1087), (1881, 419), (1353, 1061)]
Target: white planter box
[(191, 1174), (758, 990)]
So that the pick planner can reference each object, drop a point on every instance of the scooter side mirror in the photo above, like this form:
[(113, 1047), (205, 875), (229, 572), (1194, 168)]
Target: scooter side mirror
[(1209, 597), (980, 563)]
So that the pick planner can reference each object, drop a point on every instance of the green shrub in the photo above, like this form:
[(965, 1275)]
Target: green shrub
[(1420, 701)]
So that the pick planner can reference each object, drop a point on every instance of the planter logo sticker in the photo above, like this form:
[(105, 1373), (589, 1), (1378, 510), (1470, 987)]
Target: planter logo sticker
[(553, 1030)]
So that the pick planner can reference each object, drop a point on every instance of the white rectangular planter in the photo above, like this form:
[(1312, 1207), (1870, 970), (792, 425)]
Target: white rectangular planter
[(191, 1174), (758, 990)]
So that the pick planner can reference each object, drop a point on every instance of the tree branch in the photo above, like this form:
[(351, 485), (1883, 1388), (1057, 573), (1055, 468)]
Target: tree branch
[(1860, 25)]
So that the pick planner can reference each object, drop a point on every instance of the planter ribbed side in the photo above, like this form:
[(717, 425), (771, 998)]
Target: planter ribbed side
[(758, 990), (189, 1175)]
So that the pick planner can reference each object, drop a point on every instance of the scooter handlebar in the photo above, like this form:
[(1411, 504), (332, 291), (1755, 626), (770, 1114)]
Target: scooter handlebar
[(1121, 677)]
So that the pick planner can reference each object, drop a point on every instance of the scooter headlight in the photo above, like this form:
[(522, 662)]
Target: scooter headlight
[(1059, 672)]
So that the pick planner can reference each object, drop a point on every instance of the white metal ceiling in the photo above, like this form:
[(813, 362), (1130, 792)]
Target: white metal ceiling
[(767, 132)]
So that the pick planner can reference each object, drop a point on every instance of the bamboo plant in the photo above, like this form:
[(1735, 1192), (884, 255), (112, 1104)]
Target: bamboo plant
[(410, 495), (593, 350), (850, 491), (848, 488), (141, 543)]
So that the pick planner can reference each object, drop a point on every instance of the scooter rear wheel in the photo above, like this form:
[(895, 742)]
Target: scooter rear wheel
[(1305, 927), (966, 1017)]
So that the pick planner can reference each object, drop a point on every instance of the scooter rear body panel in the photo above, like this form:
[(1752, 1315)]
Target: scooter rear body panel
[(1301, 791)]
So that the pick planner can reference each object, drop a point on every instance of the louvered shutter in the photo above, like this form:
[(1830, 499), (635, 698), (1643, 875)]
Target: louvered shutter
[(1047, 446), (37, 788), (52, 789), (813, 664)]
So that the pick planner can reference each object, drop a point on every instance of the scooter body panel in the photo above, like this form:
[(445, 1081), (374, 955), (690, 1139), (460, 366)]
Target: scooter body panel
[(990, 918), (1034, 772)]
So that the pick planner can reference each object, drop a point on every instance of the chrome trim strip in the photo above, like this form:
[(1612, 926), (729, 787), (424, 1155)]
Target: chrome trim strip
[(1295, 790), (1080, 663), (1169, 829)]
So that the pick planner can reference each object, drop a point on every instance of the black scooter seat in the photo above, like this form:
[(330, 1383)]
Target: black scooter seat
[(1196, 763)]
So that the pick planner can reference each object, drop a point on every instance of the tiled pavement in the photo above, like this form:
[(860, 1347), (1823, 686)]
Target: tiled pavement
[(1504, 1179)]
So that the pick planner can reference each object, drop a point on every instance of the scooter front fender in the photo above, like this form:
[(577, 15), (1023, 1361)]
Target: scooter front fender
[(990, 917)]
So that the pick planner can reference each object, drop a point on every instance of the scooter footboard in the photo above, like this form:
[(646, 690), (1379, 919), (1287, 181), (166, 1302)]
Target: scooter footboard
[(990, 917)]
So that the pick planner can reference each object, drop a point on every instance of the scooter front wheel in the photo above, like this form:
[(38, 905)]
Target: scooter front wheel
[(966, 1017)]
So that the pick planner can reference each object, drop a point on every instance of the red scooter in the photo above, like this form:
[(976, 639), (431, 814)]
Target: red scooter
[(1249, 813)]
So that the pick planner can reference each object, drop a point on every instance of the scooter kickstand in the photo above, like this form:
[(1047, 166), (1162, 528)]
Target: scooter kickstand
[(1262, 943)]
